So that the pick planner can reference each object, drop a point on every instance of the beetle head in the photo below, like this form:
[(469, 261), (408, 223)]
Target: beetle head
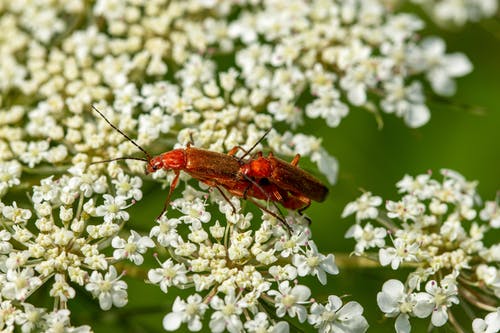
[(154, 164)]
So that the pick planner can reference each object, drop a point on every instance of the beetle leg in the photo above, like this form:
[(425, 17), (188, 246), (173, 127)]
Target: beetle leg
[(295, 160), (191, 140), (235, 149), (280, 218), (173, 185), (253, 182), (257, 155), (277, 196), (226, 198), (301, 211)]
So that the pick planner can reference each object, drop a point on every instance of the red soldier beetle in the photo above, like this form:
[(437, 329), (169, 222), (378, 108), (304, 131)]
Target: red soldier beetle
[(302, 186), (214, 169)]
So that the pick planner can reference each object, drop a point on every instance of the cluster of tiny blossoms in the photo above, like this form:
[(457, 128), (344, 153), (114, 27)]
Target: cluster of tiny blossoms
[(161, 65), (437, 229), (243, 276), (70, 237), (159, 71), (151, 65), (334, 55)]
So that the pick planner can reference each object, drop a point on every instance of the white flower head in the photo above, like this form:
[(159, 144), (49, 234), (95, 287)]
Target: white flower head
[(442, 69), (169, 274), (291, 300), (491, 213), (227, 314), (394, 301), (365, 207), (113, 208), (402, 251), (19, 283), (436, 300), (366, 237), (109, 289), (490, 323), (334, 316), (133, 248), (315, 263), (190, 312)]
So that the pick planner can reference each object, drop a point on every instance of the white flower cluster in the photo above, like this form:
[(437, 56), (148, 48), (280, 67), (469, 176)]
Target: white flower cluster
[(335, 55), (290, 56), (240, 272), (122, 54), (434, 228), (61, 242), (167, 72), (32, 319), (452, 12)]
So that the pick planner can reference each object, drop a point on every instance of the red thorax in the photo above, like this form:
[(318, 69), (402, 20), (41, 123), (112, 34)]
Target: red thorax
[(258, 168)]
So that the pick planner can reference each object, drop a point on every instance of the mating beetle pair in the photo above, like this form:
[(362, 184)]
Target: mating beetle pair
[(263, 178)]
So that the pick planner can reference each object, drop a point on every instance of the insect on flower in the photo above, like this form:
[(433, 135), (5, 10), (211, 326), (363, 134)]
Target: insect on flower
[(287, 177), (216, 170)]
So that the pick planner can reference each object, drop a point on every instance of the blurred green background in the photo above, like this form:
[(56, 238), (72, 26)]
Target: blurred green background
[(464, 136)]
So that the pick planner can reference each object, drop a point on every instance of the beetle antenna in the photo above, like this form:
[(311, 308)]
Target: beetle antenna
[(120, 158), (255, 145), (126, 136)]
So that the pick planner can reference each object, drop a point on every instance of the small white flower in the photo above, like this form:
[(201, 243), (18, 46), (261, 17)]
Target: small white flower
[(490, 323), (5, 245), (289, 300), (227, 314), (110, 290), (409, 208), (260, 323), (315, 263), (133, 248), (19, 283), (30, 319), (394, 301), (62, 289), (169, 274), (327, 164), (287, 246), (491, 213), (280, 273), (286, 111), (366, 237), (16, 214), (59, 320), (422, 186), (112, 209), (129, 187), (407, 102), (166, 231), (437, 300), (190, 312), (441, 68), (10, 171), (194, 212), (364, 207), (489, 274), (397, 254), (126, 98), (35, 153), (334, 317)]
